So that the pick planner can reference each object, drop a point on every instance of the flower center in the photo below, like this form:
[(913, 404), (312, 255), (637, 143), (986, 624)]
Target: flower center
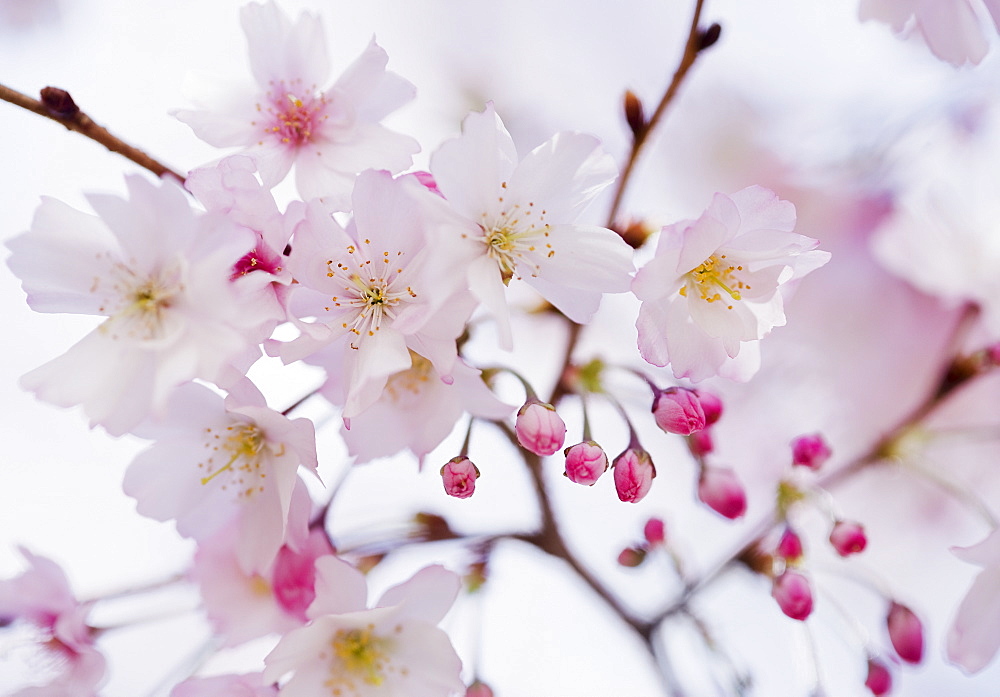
[(293, 114), (711, 276), (361, 654), (142, 303), (517, 238), (245, 449), (409, 383)]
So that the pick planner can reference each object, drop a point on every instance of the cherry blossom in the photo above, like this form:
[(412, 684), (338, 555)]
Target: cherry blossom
[(974, 637), (393, 648), (717, 284), (678, 410), (459, 477), (41, 597), (951, 29), (633, 472), (329, 133), (906, 632), (214, 462), (792, 593), (247, 685), (159, 272), (381, 288), (721, 490), (521, 217), (539, 427), (585, 462)]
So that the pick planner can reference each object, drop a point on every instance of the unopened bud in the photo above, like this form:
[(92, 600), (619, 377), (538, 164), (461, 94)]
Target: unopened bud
[(810, 451), (479, 689), (794, 596), (634, 115), (879, 679), (711, 405), (632, 557), (678, 410), (708, 37), (790, 546), (905, 632), (585, 462), (848, 538), (634, 472), (539, 428), (722, 491), (655, 532), (700, 443), (459, 477), (59, 102)]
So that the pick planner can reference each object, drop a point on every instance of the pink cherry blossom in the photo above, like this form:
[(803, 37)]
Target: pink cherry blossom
[(792, 593), (721, 490), (289, 118), (247, 685), (521, 217), (678, 410), (848, 537), (634, 472), (717, 284), (906, 632), (539, 428), (159, 272), (810, 451), (385, 286), (393, 648), (951, 29), (585, 462), (974, 637), (214, 462), (711, 405), (41, 597), (459, 476)]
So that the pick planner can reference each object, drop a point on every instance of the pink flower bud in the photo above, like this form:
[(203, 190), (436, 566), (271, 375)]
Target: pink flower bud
[(632, 557), (848, 538), (479, 689), (790, 545), (585, 462), (879, 679), (722, 491), (906, 633), (678, 410), (539, 428), (655, 532), (700, 443), (459, 477), (711, 405), (810, 451), (993, 353), (294, 575), (791, 591), (634, 472)]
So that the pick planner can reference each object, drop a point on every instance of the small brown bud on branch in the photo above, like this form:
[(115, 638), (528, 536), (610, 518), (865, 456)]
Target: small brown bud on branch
[(59, 102), (634, 115), (708, 37)]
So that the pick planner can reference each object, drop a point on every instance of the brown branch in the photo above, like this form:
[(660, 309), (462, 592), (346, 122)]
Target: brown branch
[(58, 105), (696, 42)]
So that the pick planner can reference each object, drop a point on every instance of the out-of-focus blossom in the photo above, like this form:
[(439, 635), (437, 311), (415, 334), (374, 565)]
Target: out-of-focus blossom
[(718, 283), (160, 274), (794, 596), (789, 546), (678, 410), (289, 117), (631, 557), (393, 649), (974, 637), (539, 427), (459, 477), (245, 605), (810, 451), (700, 443), (479, 689), (848, 537), (906, 632), (522, 217), (722, 491), (634, 472), (711, 405), (879, 679), (585, 462), (386, 285), (246, 685), (41, 597), (951, 29), (655, 532), (214, 462)]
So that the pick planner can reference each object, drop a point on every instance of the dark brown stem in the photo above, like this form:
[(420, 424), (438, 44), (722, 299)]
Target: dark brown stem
[(59, 107), (692, 49)]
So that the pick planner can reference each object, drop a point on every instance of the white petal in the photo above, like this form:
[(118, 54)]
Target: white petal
[(427, 596), (340, 588)]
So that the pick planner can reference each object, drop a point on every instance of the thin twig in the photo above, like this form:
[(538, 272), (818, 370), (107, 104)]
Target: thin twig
[(59, 107)]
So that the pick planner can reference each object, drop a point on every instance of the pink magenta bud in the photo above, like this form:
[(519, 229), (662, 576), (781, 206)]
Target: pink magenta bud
[(634, 472), (906, 633), (539, 428), (632, 557), (793, 595), (711, 405), (722, 491), (479, 689), (700, 443), (585, 462), (678, 410), (790, 545), (459, 476), (810, 451), (879, 679), (655, 532), (993, 353), (848, 538)]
